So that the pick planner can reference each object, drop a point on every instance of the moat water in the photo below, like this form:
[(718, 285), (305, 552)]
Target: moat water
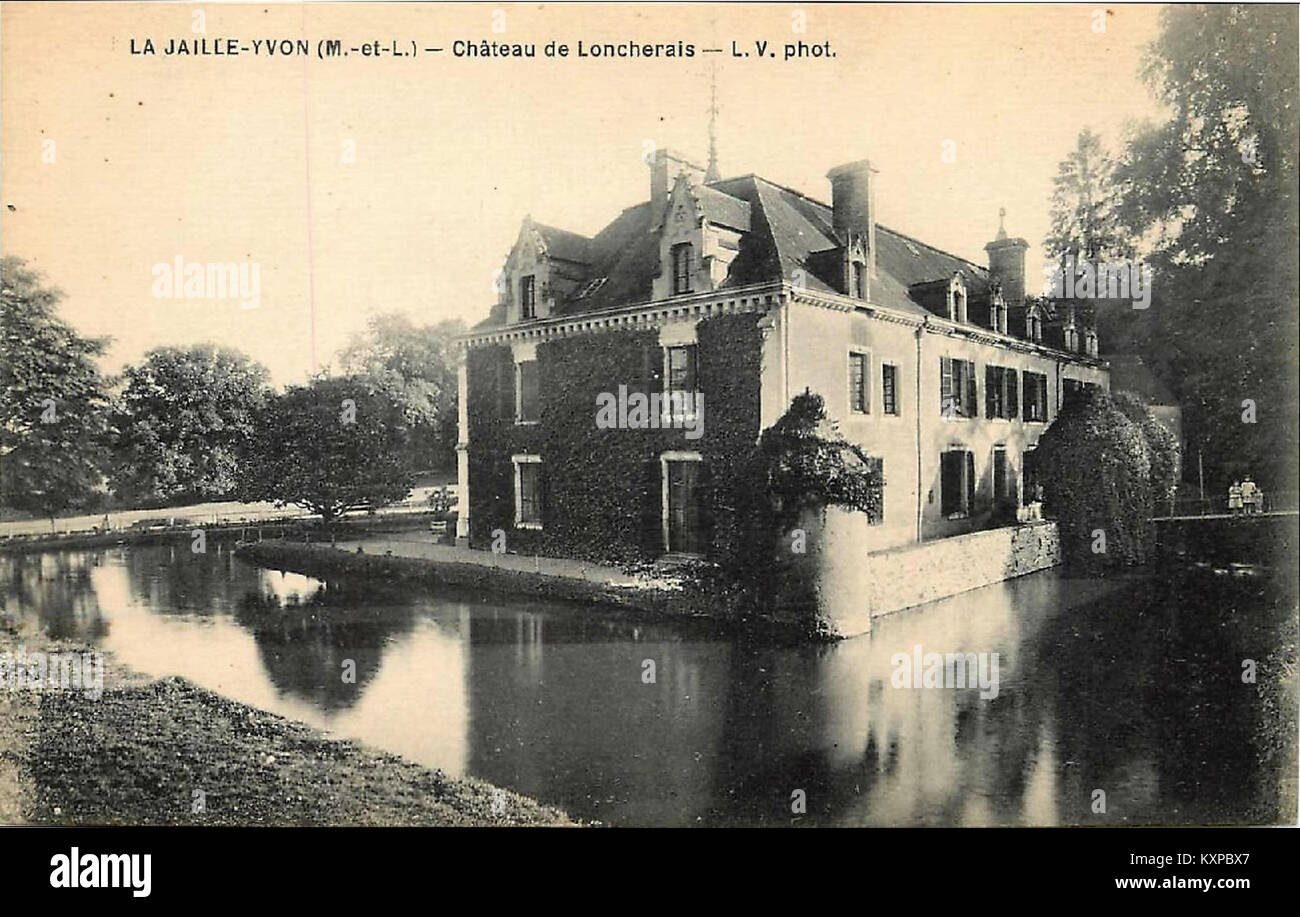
[(1132, 687)]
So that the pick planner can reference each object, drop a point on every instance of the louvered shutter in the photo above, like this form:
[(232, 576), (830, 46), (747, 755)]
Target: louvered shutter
[(970, 481)]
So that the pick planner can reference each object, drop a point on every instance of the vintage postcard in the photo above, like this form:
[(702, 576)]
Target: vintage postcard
[(649, 415)]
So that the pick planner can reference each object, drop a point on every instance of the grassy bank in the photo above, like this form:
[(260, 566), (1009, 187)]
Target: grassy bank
[(165, 752)]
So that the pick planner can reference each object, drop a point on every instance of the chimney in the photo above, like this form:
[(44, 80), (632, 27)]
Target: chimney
[(664, 169), (853, 205), (1007, 263)]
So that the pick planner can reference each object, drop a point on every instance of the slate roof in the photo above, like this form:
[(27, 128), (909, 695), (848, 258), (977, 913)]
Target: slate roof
[(565, 245), (783, 230)]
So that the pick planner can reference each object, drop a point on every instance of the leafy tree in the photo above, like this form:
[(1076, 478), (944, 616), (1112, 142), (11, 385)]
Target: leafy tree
[(1095, 469), (1086, 226), (53, 400), (185, 416), (330, 447), (1086, 205), (1215, 190), (415, 365)]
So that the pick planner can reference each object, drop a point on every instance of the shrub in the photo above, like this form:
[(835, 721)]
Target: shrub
[(1165, 452), (810, 465), (1095, 469)]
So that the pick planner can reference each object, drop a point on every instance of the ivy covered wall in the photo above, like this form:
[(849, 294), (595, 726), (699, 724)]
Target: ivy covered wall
[(602, 487)]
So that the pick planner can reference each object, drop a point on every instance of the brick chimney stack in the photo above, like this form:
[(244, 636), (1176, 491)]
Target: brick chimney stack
[(853, 205)]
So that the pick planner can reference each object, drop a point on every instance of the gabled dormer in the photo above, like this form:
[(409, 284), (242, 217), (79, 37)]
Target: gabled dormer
[(699, 238), (545, 266), (999, 311), (958, 299)]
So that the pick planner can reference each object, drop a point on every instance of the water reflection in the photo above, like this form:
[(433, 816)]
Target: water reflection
[(1130, 686)]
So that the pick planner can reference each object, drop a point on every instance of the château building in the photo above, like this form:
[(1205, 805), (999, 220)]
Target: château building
[(749, 293)]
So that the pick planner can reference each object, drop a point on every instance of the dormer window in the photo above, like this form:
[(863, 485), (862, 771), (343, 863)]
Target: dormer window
[(1071, 339), (858, 279), (683, 259), (1033, 326), (957, 304), (527, 297), (1090, 344)]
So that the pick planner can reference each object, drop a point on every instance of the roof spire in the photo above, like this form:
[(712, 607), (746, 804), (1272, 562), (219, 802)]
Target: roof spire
[(713, 174), (1002, 229)]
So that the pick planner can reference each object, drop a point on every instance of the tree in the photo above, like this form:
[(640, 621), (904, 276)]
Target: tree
[(1087, 229), (415, 365), (1085, 205), (53, 399), (330, 447), (185, 416), (1095, 468), (1215, 189)]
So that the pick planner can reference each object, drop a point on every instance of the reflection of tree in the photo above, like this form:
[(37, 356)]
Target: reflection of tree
[(56, 588), (172, 579), (1152, 684), (303, 643)]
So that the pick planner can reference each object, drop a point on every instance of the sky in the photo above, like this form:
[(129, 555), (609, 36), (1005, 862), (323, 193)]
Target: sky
[(360, 185)]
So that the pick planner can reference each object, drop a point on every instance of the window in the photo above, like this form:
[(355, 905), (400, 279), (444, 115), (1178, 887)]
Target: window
[(1071, 338), (1001, 396), (956, 388), (1031, 490), (528, 490), (957, 305), (859, 272), (1033, 326), (1035, 397), (683, 517), (889, 388), (528, 296), (648, 372), (527, 408), (681, 368), (956, 483), (682, 267), (859, 394), (1000, 478)]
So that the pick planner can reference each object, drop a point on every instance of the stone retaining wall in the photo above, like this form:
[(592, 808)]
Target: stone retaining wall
[(855, 587)]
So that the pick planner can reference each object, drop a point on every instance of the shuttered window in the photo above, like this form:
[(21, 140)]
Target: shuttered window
[(957, 388), (1000, 392), (1035, 397)]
